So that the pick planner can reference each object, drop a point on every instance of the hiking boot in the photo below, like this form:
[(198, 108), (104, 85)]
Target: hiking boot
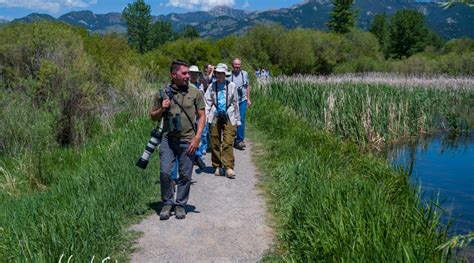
[(239, 146), (180, 212), (165, 212), (218, 171), (229, 172)]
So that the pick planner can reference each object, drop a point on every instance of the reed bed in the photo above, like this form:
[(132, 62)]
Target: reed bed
[(395, 80), (331, 200), (333, 203), (372, 110)]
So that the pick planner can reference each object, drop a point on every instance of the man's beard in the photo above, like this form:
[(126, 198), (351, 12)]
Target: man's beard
[(184, 83)]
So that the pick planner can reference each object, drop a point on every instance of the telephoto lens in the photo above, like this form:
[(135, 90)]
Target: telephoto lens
[(154, 141)]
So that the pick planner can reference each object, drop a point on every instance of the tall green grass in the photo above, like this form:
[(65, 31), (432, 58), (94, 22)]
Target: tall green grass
[(93, 192), (331, 202), (372, 113)]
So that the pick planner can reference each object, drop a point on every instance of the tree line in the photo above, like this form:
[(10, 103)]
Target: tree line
[(399, 36), (144, 35)]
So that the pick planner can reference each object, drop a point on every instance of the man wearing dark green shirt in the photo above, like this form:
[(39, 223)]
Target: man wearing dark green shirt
[(179, 106)]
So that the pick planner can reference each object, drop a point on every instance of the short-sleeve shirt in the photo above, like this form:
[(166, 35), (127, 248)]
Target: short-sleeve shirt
[(191, 100), (241, 81)]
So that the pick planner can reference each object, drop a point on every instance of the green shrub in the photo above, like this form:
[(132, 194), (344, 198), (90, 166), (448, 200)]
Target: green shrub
[(360, 65)]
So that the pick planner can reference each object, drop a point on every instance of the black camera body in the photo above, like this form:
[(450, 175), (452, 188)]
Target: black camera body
[(221, 117), (240, 90)]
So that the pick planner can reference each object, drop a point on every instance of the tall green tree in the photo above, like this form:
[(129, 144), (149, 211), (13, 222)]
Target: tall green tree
[(137, 17), (342, 17), (408, 33), (161, 32), (379, 28), (189, 31)]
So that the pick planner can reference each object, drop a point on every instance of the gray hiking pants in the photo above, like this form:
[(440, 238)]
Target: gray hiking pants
[(170, 149)]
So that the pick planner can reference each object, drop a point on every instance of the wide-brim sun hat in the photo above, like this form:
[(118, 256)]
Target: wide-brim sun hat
[(222, 68), (194, 68)]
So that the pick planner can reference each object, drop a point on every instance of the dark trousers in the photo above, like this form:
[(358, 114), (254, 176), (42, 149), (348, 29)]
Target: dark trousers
[(172, 151)]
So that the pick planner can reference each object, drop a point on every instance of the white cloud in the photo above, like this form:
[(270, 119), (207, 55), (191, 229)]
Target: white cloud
[(53, 6), (199, 4), (7, 18), (246, 4)]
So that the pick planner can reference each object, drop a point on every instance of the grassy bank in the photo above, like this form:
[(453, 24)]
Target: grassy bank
[(94, 192), (376, 109), (332, 203)]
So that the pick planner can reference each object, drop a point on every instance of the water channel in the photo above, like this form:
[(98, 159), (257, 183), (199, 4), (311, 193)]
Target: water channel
[(442, 165)]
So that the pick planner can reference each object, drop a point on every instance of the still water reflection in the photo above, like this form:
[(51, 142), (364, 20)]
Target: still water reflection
[(443, 164)]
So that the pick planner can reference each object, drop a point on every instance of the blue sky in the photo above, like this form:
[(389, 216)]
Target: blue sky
[(10, 9)]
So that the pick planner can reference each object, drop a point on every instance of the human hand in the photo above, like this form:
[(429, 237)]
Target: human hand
[(249, 103), (193, 145), (166, 103)]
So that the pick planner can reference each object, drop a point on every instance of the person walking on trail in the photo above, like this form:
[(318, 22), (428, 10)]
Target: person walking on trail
[(195, 76), (223, 116), (178, 105), (208, 75), (241, 80)]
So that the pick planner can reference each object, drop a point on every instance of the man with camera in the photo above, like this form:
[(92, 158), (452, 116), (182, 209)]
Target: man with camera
[(241, 79), (179, 106), (223, 116)]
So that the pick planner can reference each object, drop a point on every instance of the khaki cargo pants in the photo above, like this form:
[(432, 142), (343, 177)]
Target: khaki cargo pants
[(222, 142)]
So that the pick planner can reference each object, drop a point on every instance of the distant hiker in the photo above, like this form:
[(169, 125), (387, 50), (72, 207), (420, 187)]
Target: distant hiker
[(267, 73), (179, 105), (241, 80), (208, 74), (257, 73), (223, 116), (195, 74), (194, 78)]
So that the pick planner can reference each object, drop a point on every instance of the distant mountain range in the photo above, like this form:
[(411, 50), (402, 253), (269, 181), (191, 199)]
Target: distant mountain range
[(222, 21)]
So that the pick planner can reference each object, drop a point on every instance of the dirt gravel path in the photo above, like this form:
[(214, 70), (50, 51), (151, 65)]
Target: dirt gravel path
[(225, 221)]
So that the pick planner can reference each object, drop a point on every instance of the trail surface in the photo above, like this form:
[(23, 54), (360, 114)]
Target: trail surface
[(225, 221)]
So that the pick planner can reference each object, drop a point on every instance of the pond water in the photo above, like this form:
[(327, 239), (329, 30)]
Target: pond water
[(442, 164)]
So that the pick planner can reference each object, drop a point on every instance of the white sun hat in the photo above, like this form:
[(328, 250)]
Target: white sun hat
[(194, 68), (221, 67)]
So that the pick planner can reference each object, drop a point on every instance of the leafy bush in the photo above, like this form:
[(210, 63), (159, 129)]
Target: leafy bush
[(360, 65)]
